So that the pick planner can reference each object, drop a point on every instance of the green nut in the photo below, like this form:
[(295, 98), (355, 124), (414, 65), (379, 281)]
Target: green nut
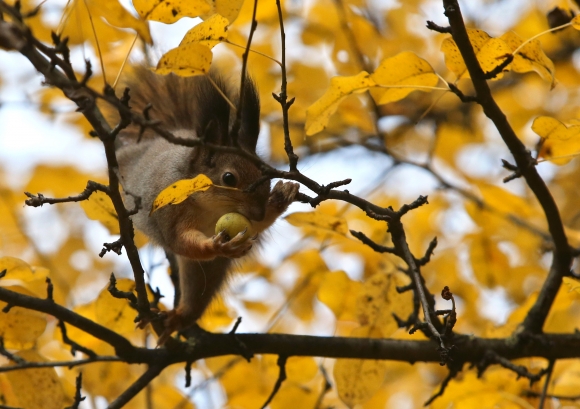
[(232, 224)]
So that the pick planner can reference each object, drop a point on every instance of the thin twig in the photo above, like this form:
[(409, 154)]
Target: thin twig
[(244, 77), (282, 98), (549, 372), (281, 378), (55, 364), (74, 346), (78, 398), (39, 199), (137, 386), (452, 374)]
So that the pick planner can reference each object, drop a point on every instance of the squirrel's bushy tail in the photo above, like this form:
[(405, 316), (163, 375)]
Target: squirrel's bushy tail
[(190, 103)]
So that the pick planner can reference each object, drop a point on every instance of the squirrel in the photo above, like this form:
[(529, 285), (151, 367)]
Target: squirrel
[(196, 107)]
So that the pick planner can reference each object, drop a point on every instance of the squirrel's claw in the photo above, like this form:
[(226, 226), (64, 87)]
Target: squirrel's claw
[(238, 246), (172, 322)]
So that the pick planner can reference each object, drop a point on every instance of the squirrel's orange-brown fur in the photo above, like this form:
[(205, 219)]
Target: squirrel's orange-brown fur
[(193, 108)]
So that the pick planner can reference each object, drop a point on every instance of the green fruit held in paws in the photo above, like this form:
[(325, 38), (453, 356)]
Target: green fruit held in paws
[(232, 224)]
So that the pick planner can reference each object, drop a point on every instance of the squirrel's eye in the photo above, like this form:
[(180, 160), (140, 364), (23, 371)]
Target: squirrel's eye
[(229, 179)]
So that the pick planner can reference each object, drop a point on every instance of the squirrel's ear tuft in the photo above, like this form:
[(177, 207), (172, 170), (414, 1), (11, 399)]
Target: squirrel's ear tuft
[(248, 137), (213, 111)]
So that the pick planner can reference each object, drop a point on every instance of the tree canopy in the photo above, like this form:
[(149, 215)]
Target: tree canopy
[(440, 272)]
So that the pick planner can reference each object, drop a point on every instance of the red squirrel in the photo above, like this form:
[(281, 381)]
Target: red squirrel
[(196, 107)]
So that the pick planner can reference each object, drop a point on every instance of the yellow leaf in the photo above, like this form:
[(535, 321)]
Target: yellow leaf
[(503, 201), (498, 388), (318, 220), (38, 388), (243, 382), (490, 52), (561, 143), (378, 299), (576, 22), (209, 33), (572, 283), (405, 68), (79, 26), (107, 379), (312, 269), (226, 8), (452, 138), (566, 383), (169, 11), (319, 113), (116, 313), (530, 57), (21, 327), (32, 278), (357, 380), (166, 396), (295, 396), (217, 316), (489, 263), (573, 236), (60, 181), (339, 294), (186, 60), (17, 269), (118, 16), (100, 207), (180, 191), (301, 369)]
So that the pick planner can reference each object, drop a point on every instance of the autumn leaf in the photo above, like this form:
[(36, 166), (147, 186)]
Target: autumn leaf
[(490, 52), (318, 221), (118, 16), (229, 9), (357, 380), (561, 142), (169, 11), (576, 22), (378, 299), (319, 113), (339, 293), (393, 73), (218, 316), (17, 269), (38, 388), (530, 57), (21, 327), (180, 191), (116, 313), (489, 263), (301, 368), (186, 60), (572, 283), (100, 207), (403, 69), (33, 278), (209, 33)]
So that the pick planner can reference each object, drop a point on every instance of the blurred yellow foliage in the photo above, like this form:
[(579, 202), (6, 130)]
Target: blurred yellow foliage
[(352, 67)]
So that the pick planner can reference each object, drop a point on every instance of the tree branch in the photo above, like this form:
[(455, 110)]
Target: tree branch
[(561, 262)]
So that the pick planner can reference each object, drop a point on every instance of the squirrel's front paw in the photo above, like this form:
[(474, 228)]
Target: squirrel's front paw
[(282, 195), (238, 246)]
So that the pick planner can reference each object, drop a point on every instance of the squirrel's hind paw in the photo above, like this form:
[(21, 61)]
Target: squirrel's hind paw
[(172, 322)]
